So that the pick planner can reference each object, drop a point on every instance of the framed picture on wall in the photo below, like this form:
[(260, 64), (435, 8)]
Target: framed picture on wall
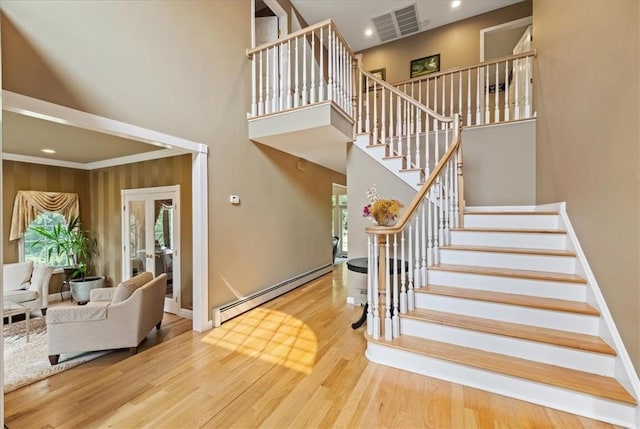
[(379, 73), (425, 65)]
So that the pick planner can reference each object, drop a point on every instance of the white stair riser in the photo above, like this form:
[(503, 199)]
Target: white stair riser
[(393, 164), (596, 363), (510, 239), (548, 289), (555, 264), (562, 399), (511, 221), (411, 177), (580, 323)]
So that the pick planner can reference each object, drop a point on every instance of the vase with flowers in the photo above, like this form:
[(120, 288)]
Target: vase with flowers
[(382, 212)]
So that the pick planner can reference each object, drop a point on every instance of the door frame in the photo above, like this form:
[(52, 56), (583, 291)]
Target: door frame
[(154, 193), (40, 109), (283, 19)]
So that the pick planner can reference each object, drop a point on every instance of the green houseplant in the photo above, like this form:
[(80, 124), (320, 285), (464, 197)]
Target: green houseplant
[(78, 247)]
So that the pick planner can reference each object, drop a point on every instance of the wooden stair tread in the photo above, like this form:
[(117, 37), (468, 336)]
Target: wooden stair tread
[(410, 169), (555, 337), (518, 250), (508, 272), (539, 302), (506, 212), (513, 230), (580, 381), (393, 157)]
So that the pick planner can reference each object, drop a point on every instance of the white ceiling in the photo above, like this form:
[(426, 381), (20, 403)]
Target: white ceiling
[(353, 17)]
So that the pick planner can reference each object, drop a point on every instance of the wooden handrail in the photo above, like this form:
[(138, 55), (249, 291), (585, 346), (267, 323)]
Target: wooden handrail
[(404, 96), (302, 32), (531, 53), (419, 197)]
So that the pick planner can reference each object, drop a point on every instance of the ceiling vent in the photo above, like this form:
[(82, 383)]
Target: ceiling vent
[(397, 23)]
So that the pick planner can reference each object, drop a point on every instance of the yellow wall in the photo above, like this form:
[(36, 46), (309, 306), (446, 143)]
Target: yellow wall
[(588, 139), (180, 68)]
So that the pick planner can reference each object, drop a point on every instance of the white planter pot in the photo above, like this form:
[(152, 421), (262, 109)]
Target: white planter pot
[(81, 289)]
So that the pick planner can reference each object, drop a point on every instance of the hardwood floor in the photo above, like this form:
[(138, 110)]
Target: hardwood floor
[(293, 363)]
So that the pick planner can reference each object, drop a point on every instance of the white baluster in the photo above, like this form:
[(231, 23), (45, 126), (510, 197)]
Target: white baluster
[(416, 254), (427, 202), (410, 294), (423, 259), (427, 145), (274, 80), (418, 123), (321, 70), (260, 91), (469, 97), (427, 93), (435, 97), (370, 285), (437, 225), (506, 90), (368, 115), (376, 285), (312, 87), (441, 216), (296, 92), (289, 68), (434, 209), (391, 141), (375, 112), (281, 103), (388, 333), (487, 118), (444, 98), (403, 274), (459, 93), (330, 59), (496, 113), (254, 104), (527, 86), (516, 96), (383, 125), (395, 320), (399, 145), (478, 119), (305, 89)]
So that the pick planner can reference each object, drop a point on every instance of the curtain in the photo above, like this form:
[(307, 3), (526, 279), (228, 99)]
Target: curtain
[(29, 204)]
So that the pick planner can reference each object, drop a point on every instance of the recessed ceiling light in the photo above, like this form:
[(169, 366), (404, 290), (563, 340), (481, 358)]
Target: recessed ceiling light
[(368, 32), (48, 151), (455, 3)]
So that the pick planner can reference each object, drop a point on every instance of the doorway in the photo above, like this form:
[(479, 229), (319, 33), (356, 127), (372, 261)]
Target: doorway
[(151, 237), (339, 218)]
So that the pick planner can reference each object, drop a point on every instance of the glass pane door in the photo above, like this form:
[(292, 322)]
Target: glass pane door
[(164, 241), (137, 237)]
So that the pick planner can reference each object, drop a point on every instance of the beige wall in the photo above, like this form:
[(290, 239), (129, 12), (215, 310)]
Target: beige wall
[(458, 44), (106, 213), (500, 164), (588, 139), (180, 68)]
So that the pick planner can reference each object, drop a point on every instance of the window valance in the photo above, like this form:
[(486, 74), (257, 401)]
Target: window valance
[(29, 204)]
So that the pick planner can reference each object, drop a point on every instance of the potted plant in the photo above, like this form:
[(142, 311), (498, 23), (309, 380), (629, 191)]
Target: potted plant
[(78, 247)]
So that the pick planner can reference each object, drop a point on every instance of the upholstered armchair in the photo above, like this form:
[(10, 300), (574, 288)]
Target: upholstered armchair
[(114, 318), (27, 283)]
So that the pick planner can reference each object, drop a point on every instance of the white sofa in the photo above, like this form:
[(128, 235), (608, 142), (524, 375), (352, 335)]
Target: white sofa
[(27, 284), (114, 318)]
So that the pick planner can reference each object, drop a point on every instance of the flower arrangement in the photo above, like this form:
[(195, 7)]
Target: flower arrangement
[(381, 211)]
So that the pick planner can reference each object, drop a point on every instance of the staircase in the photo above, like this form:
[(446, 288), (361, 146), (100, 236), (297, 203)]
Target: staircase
[(505, 311)]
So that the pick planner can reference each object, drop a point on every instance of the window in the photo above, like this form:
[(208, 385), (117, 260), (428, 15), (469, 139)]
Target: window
[(39, 253)]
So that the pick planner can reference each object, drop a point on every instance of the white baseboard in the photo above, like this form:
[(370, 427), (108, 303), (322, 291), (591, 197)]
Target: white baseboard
[(235, 308), (55, 297)]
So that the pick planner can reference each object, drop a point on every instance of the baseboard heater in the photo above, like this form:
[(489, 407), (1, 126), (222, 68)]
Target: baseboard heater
[(229, 311)]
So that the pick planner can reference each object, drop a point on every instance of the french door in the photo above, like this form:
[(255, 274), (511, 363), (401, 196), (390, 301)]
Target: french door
[(151, 237)]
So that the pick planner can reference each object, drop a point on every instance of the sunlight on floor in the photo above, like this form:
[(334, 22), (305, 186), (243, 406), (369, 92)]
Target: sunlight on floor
[(271, 336)]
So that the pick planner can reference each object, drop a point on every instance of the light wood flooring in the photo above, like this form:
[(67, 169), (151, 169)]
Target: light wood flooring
[(293, 363)]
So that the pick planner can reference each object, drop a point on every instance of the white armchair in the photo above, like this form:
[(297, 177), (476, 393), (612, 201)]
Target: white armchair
[(27, 283), (114, 318)]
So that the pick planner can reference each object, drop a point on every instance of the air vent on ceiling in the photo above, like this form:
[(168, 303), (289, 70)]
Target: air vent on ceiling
[(397, 23)]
